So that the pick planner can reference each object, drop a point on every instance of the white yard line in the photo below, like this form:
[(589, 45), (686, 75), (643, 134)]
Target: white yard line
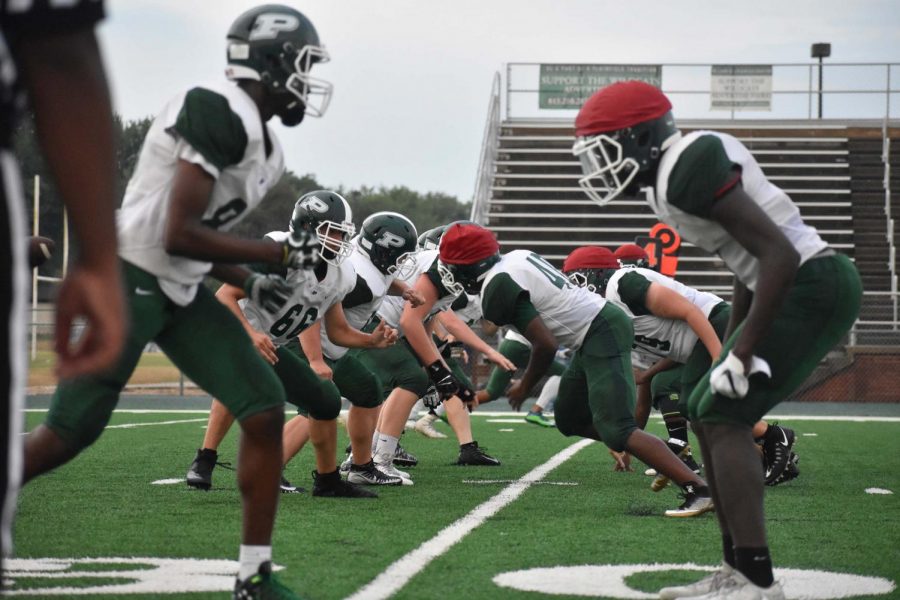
[(132, 425), (398, 574)]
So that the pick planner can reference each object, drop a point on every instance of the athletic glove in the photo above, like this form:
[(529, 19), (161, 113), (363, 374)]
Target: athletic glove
[(301, 251), (729, 378), (444, 382), (431, 399), (466, 394), (268, 291)]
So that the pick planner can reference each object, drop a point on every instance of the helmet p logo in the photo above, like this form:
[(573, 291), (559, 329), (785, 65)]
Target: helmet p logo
[(390, 240), (315, 204), (268, 25)]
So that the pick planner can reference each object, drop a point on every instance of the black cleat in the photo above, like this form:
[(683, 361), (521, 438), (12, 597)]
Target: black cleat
[(199, 476), (777, 445), (262, 586), (369, 474), (402, 458), (471, 455), (288, 488), (330, 485), (697, 501)]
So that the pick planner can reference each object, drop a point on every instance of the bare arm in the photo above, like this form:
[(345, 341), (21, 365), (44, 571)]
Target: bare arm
[(411, 322), (543, 351), (399, 288), (665, 303), (229, 295), (341, 333), (741, 299), (187, 236), (778, 261), (67, 87), (311, 343)]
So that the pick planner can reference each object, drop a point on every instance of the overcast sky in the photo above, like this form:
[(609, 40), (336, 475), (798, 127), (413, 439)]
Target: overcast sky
[(412, 77)]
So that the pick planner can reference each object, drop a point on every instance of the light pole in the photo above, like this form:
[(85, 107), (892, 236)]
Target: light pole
[(820, 51)]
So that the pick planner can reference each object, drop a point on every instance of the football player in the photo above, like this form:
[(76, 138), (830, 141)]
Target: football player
[(50, 51), (384, 254), (208, 159), (400, 367), (632, 255), (794, 297), (314, 295), (678, 325), (596, 394), (517, 349)]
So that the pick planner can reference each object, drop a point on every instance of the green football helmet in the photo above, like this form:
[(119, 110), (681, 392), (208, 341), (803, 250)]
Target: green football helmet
[(431, 239), (328, 215), (277, 46), (388, 239)]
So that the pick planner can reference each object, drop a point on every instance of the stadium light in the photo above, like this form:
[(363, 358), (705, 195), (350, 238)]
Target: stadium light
[(820, 50)]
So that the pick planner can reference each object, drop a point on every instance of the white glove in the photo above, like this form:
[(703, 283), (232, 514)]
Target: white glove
[(301, 251), (729, 378)]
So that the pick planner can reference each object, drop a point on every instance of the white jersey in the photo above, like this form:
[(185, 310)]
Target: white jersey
[(515, 336), (357, 316), (470, 313), (425, 263), (670, 338), (218, 127), (566, 310), (309, 300), (711, 236)]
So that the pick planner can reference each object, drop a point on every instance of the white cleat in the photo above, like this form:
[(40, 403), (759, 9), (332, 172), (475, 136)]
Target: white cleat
[(425, 426), (712, 583), (738, 587), (391, 471)]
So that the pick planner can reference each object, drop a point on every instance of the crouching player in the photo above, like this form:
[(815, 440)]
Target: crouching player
[(597, 394)]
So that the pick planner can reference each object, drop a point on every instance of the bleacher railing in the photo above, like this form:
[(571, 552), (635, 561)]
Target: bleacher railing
[(850, 91), (487, 156)]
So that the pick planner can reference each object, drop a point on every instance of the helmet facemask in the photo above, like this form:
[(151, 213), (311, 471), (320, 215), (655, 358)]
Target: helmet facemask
[(305, 87), (404, 265), (466, 278), (336, 240), (606, 172), (623, 161)]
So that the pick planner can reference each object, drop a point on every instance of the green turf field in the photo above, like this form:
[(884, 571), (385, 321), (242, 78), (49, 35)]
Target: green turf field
[(103, 506)]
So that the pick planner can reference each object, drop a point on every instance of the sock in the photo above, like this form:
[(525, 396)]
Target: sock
[(472, 444), (755, 564), (251, 557), (387, 445), (676, 445), (548, 393), (728, 550), (375, 441), (676, 424), (441, 410)]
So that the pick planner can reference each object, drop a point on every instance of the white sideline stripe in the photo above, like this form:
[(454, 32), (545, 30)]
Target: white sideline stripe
[(398, 574), (521, 415)]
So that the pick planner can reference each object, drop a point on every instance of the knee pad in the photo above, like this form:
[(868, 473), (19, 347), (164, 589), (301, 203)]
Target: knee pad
[(328, 406)]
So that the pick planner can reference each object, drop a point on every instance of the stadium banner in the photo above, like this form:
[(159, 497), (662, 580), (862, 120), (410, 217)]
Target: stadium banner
[(741, 87), (568, 86)]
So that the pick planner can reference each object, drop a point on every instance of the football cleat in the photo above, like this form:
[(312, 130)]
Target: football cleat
[(391, 471), (696, 502), (199, 476), (683, 451), (345, 466), (368, 474), (425, 426), (262, 586), (402, 458), (330, 485), (288, 488), (792, 471), (737, 587), (708, 585), (539, 419), (471, 455), (777, 444)]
